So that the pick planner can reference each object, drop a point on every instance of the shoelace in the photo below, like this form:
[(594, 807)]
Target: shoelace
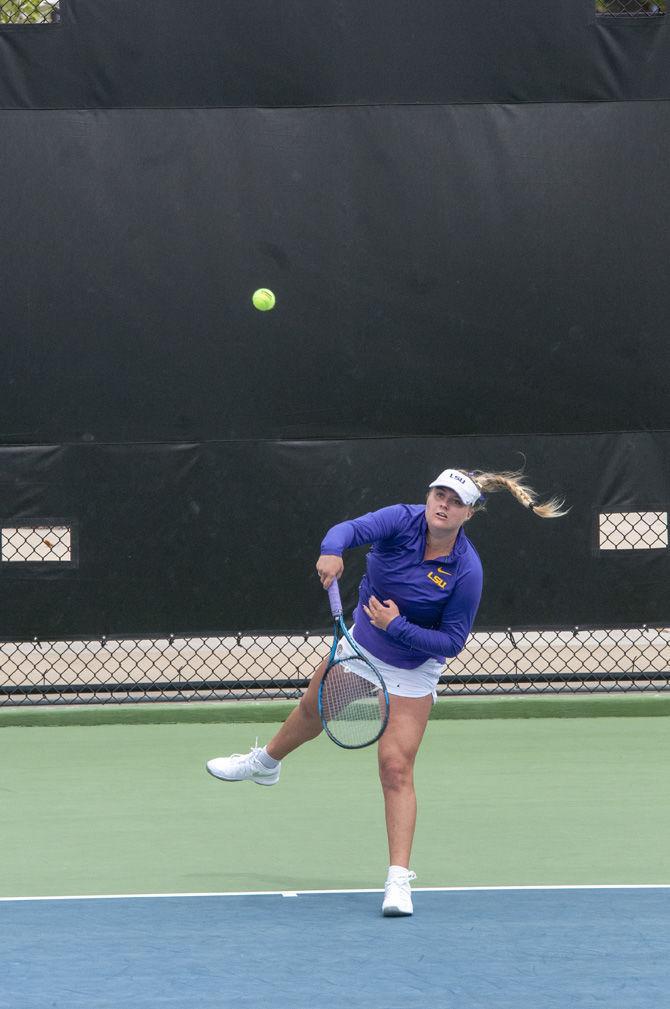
[(402, 880), (251, 754)]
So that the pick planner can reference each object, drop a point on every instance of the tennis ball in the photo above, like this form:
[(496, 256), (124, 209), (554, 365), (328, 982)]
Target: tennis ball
[(263, 299)]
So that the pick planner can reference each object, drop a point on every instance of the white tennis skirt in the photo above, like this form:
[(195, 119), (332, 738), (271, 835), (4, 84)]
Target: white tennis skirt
[(401, 682)]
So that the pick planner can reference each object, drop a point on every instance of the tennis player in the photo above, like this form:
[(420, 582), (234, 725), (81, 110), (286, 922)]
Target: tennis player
[(417, 603)]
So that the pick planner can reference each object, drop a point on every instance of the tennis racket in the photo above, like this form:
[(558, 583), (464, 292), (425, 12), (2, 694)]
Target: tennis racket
[(353, 699)]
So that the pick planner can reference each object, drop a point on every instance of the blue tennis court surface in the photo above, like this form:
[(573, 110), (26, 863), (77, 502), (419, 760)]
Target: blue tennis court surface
[(463, 949)]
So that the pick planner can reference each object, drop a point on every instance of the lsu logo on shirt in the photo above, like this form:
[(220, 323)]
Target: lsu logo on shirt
[(441, 582)]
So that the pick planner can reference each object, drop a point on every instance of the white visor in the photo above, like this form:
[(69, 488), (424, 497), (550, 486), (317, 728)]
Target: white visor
[(467, 489)]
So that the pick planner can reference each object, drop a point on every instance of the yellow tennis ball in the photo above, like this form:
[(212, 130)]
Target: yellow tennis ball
[(263, 299)]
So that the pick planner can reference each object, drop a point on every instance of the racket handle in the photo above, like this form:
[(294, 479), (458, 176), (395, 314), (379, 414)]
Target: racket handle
[(334, 599)]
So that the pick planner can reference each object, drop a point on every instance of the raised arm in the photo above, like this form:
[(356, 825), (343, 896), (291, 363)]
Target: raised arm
[(356, 532)]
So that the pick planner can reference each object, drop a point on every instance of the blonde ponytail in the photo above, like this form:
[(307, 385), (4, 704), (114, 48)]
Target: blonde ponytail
[(513, 482)]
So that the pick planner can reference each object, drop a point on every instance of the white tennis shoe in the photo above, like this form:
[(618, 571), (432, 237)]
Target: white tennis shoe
[(244, 767), (398, 895)]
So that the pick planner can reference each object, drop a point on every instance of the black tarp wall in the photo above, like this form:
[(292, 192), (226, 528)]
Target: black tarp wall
[(464, 218)]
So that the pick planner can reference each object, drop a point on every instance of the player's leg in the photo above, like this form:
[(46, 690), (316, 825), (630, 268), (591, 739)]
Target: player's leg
[(303, 723), (263, 764), (408, 717)]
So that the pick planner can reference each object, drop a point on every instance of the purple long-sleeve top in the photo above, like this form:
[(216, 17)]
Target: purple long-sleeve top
[(437, 599)]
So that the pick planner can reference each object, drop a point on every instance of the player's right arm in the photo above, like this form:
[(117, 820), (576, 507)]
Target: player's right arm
[(370, 528)]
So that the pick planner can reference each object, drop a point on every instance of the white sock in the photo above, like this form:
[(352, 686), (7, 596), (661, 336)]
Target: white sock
[(268, 761), (395, 871)]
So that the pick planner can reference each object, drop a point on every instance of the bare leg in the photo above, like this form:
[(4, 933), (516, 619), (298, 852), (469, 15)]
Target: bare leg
[(397, 751), (303, 723)]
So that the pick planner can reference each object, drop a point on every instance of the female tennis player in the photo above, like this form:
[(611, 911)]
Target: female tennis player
[(417, 603)]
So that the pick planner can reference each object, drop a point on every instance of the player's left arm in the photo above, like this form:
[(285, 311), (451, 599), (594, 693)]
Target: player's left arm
[(381, 613), (456, 623)]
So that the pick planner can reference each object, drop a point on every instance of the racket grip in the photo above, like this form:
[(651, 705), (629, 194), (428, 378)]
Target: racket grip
[(334, 599)]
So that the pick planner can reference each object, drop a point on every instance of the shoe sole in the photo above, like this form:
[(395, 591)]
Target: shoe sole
[(256, 781), (395, 912)]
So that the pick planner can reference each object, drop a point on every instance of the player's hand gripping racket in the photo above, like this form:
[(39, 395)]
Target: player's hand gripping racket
[(353, 699)]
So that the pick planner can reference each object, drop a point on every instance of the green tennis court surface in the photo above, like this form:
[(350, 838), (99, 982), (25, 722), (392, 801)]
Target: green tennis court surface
[(127, 808)]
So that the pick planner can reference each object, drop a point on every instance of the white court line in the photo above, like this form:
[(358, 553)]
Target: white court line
[(299, 893)]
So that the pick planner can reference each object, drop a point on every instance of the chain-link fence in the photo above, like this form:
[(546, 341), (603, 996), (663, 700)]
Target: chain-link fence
[(35, 544), (630, 8), (29, 12), (244, 667), (633, 530)]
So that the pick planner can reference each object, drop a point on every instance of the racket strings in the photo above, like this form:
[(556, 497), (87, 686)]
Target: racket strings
[(352, 702)]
